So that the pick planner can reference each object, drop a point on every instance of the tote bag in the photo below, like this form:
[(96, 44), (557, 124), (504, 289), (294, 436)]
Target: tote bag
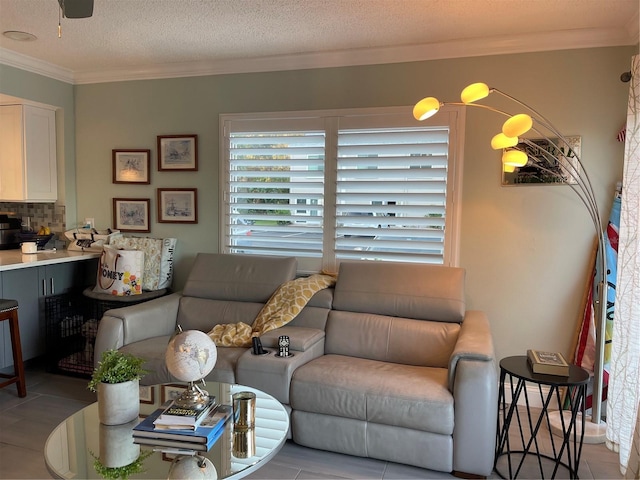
[(120, 272), (90, 239)]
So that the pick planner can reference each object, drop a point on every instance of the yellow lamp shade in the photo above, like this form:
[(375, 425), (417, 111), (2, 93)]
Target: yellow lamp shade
[(508, 168), (474, 92), (425, 108), (500, 141), (517, 125), (515, 158)]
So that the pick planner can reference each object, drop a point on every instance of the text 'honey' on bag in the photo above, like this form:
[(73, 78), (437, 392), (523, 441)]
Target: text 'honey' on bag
[(120, 272)]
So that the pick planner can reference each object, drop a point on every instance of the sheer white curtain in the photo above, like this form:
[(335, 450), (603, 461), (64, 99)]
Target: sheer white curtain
[(623, 422)]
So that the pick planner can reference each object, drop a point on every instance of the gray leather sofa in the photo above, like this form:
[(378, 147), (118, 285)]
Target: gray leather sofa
[(388, 365)]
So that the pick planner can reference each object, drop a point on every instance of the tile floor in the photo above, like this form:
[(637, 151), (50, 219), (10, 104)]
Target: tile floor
[(25, 424)]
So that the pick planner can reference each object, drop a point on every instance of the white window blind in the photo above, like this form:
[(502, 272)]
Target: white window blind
[(391, 194), (369, 184)]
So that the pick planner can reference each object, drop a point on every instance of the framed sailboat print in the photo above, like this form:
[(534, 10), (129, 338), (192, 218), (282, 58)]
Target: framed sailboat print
[(177, 205)]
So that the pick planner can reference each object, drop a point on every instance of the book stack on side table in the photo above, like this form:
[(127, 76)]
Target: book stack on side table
[(199, 437), (548, 363)]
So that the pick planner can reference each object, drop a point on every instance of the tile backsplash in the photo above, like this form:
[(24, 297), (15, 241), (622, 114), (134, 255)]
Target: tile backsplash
[(50, 215)]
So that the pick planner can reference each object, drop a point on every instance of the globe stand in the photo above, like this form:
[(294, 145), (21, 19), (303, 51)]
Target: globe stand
[(193, 397)]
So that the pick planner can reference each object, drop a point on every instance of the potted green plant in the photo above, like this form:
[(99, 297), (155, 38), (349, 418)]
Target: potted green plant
[(116, 379)]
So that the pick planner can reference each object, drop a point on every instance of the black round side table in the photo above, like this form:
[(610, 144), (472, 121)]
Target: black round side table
[(567, 453)]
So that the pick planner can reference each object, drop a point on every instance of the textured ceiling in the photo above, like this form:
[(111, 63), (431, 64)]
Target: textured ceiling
[(150, 34)]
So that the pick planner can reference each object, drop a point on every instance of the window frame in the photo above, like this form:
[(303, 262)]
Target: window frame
[(451, 115)]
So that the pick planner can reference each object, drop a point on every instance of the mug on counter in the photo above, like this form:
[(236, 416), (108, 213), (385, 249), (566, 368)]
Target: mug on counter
[(29, 247)]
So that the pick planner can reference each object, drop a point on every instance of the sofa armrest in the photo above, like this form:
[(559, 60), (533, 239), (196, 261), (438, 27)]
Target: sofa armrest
[(272, 374), (122, 326), (301, 338), (474, 343), (473, 379)]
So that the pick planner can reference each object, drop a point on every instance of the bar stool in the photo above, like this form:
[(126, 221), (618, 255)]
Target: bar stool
[(9, 311)]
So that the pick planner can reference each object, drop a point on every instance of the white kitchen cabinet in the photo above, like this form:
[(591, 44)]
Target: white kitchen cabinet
[(28, 154)]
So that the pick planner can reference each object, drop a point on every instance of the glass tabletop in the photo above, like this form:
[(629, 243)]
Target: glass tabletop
[(80, 443)]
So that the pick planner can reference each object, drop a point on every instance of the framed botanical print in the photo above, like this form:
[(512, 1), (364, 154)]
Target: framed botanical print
[(131, 214), (131, 166)]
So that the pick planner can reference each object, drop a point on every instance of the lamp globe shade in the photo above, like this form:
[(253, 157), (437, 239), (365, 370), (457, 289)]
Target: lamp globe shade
[(515, 158), (474, 92), (501, 141), (191, 355), (508, 168), (425, 108), (517, 125)]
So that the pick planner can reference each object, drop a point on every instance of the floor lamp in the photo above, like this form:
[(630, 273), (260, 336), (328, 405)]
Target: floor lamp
[(551, 160)]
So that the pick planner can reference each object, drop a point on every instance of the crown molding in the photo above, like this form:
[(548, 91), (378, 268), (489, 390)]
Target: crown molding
[(504, 45), (30, 64), (633, 28)]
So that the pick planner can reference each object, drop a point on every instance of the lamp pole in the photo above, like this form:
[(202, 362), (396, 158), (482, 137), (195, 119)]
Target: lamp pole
[(573, 175)]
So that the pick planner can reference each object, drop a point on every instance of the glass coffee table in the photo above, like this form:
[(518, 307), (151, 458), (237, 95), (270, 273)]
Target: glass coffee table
[(80, 443)]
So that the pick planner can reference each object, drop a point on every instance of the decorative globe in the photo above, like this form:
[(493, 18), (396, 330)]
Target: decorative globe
[(192, 468), (191, 355)]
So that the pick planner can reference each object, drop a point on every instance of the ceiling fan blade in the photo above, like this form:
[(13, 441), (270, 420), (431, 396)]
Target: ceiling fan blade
[(76, 8)]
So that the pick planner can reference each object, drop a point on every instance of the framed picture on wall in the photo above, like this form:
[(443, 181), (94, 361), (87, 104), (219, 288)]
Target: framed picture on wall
[(131, 166), (178, 205), (147, 394), (131, 214), (171, 391), (550, 162), (177, 153)]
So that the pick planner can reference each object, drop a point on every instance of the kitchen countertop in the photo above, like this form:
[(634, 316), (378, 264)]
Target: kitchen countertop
[(14, 259)]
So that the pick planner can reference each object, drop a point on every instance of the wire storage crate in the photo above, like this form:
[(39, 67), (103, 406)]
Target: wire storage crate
[(72, 325), (71, 328)]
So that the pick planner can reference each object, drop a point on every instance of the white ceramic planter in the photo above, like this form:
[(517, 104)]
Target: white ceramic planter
[(118, 403), (116, 445)]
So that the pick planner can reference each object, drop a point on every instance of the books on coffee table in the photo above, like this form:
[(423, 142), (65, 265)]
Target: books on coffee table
[(175, 417), (207, 431), (180, 444), (548, 363)]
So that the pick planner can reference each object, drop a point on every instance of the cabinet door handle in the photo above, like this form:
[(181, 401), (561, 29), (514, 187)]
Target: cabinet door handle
[(53, 288), (44, 287)]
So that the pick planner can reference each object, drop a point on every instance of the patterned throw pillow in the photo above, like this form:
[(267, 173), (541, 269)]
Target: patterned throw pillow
[(158, 259)]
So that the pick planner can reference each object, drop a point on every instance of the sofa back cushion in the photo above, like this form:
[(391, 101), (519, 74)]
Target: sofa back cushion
[(204, 313), (391, 339), (419, 291), (241, 278)]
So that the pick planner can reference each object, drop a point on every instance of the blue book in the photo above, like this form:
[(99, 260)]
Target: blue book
[(208, 429), (177, 446)]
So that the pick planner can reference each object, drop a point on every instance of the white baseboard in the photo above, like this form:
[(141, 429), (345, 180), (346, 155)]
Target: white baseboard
[(533, 393)]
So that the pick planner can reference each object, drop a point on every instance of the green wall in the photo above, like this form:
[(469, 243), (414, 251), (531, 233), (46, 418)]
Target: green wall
[(525, 249)]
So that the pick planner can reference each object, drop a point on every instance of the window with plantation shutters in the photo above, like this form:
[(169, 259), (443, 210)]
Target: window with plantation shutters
[(368, 184)]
